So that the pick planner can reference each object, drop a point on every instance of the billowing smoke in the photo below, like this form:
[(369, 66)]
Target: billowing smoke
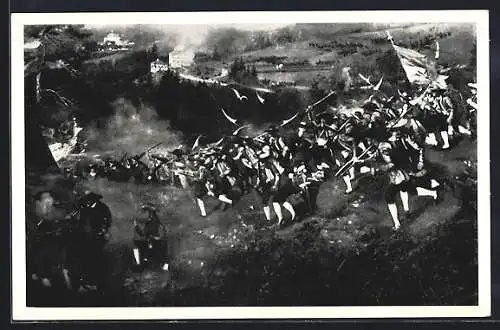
[(132, 129)]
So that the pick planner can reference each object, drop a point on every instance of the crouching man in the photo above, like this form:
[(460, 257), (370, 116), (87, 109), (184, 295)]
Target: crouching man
[(150, 239)]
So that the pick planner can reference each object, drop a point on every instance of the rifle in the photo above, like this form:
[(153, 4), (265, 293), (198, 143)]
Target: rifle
[(123, 157), (339, 130), (162, 159), (307, 111), (147, 150), (309, 108), (351, 162)]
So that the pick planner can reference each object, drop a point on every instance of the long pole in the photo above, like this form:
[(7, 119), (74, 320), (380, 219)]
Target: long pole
[(309, 108), (320, 100)]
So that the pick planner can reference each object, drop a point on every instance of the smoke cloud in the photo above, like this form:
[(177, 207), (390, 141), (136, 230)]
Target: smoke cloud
[(132, 129)]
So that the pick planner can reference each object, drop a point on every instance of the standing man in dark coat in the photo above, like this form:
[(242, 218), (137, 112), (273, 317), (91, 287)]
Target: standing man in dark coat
[(92, 229)]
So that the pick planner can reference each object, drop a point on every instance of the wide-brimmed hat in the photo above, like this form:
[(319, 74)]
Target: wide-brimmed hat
[(90, 196), (148, 207)]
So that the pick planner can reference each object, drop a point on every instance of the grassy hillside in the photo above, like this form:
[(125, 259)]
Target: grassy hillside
[(361, 46), (458, 42)]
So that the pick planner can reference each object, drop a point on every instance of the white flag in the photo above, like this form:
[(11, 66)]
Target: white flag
[(414, 65)]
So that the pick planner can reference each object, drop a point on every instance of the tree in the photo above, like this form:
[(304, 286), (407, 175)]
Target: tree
[(473, 60), (62, 48), (254, 71), (153, 53), (242, 73)]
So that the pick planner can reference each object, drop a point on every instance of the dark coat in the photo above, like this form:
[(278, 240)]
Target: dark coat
[(95, 220)]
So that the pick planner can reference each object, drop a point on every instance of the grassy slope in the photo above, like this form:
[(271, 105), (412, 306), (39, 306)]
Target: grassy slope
[(454, 49)]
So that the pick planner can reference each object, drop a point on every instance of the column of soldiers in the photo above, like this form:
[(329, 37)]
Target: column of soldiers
[(387, 136)]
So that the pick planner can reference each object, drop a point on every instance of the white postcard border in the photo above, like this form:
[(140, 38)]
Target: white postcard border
[(20, 312)]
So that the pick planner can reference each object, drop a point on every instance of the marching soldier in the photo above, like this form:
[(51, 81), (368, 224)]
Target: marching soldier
[(438, 115), (281, 197), (276, 142), (179, 166), (395, 164), (200, 189)]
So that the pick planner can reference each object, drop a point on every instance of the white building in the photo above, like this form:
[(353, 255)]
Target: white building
[(33, 44), (114, 40), (158, 66), (180, 58)]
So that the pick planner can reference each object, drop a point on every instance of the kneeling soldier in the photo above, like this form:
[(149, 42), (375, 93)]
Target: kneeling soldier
[(150, 239)]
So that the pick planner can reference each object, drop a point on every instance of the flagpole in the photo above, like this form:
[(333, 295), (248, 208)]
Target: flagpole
[(389, 37)]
